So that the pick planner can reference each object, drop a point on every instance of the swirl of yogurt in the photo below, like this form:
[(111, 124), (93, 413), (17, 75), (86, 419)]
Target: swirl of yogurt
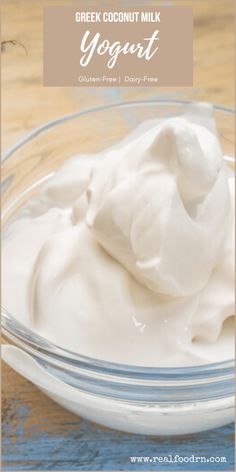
[(158, 207), (126, 255)]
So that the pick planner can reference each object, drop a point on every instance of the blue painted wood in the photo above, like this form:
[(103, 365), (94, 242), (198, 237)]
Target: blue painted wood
[(92, 448), (40, 435)]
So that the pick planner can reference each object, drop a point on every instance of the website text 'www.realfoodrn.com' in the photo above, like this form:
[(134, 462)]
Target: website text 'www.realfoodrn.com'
[(176, 459)]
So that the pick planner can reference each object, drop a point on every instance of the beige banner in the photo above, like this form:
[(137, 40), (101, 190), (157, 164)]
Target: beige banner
[(148, 47)]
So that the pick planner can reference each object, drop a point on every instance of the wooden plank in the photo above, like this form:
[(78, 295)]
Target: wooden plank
[(26, 103)]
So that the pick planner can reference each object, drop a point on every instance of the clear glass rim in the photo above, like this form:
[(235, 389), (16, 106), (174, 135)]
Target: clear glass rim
[(23, 335), (70, 116)]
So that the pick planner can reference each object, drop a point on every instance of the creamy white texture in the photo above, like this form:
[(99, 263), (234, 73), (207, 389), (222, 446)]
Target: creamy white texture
[(174, 178), (127, 255)]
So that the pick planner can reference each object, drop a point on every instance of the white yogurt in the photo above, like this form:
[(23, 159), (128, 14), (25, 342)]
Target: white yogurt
[(127, 256)]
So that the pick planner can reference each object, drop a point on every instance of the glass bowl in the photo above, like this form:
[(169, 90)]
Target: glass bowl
[(156, 401)]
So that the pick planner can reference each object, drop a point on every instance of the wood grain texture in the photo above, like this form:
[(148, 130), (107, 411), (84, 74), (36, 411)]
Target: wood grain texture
[(26, 103), (37, 433)]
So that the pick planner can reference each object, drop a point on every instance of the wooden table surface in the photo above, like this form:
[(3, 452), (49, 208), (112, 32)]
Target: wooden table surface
[(37, 433)]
